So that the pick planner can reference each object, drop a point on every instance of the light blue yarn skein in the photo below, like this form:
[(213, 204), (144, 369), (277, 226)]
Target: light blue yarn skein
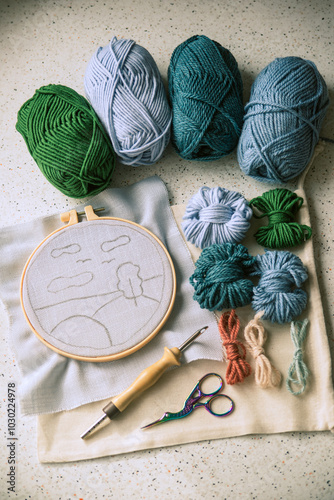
[(278, 292), (216, 216), (124, 86), (282, 121)]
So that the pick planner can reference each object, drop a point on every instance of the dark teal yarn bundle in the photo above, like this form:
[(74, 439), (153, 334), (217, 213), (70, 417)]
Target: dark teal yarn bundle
[(282, 122), (206, 91), (220, 279)]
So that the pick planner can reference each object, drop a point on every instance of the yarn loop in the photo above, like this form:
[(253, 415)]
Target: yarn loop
[(237, 368), (67, 140), (266, 375), (298, 372), (216, 216), (205, 88), (124, 86), (280, 206), (283, 118)]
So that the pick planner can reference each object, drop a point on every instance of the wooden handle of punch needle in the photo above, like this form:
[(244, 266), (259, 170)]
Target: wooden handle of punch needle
[(146, 379)]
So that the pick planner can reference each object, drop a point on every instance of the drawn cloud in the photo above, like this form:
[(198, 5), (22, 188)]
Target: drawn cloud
[(63, 282)]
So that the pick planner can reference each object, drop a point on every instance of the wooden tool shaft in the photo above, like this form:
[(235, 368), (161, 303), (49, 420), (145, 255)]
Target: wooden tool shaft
[(148, 377)]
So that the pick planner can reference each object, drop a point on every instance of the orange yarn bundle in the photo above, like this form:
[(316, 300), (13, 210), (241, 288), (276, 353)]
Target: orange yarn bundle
[(237, 368)]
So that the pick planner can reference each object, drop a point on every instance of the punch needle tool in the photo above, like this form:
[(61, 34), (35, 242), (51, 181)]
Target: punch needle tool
[(145, 379), (193, 401)]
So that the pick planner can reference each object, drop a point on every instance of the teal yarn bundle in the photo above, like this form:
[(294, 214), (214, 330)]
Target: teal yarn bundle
[(282, 121), (215, 216), (220, 279), (124, 86), (281, 207), (206, 93), (278, 292), (67, 141)]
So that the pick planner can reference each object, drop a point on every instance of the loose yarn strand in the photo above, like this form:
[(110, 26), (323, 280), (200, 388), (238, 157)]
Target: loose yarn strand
[(237, 369), (298, 371), (266, 375)]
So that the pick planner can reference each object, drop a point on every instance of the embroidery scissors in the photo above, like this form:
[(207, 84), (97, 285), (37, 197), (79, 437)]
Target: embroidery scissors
[(193, 401)]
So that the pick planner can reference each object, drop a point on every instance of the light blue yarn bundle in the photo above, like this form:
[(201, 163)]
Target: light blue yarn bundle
[(282, 121), (216, 216), (206, 95), (125, 88), (221, 278), (278, 292)]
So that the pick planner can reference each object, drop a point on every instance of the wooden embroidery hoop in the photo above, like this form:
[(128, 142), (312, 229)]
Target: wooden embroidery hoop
[(71, 220)]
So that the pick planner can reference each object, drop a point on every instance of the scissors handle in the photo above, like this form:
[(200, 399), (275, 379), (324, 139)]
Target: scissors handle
[(199, 384), (208, 403)]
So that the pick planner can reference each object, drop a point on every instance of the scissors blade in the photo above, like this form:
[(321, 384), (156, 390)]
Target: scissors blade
[(166, 417)]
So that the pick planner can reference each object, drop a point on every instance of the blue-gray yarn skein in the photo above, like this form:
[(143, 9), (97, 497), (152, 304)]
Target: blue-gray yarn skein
[(206, 95), (125, 88), (220, 279), (278, 292), (283, 118), (216, 216)]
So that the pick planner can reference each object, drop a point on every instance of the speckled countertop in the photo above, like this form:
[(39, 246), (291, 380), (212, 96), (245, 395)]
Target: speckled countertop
[(43, 41)]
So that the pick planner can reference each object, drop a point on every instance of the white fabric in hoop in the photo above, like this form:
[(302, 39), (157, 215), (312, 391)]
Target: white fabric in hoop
[(98, 288)]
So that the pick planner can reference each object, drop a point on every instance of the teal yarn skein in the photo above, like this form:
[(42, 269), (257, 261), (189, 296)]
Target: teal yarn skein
[(67, 141), (220, 279), (123, 83), (283, 118), (206, 95)]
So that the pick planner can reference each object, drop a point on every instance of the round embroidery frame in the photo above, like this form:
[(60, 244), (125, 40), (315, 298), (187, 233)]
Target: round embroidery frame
[(98, 290)]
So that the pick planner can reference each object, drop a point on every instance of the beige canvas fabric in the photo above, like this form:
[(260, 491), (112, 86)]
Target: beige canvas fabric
[(257, 411)]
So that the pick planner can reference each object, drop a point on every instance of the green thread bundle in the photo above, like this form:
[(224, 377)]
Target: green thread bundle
[(280, 206), (67, 141)]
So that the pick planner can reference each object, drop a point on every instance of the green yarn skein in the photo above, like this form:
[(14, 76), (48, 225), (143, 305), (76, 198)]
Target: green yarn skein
[(280, 206), (67, 141)]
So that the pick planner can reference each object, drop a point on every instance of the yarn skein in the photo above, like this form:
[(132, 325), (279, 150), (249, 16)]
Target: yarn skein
[(124, 86), (266, 375), (216, 216), (278, 292), (298, 372), (206, 95), (280, 206), (283, 118), (67, 141), (220, 279), (237, 368)]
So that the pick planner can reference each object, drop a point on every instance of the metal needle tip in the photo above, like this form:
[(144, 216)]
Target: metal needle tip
[(92, 428), (192, 338)]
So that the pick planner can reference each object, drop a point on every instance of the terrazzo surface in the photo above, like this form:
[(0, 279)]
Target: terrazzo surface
[(44, 42)]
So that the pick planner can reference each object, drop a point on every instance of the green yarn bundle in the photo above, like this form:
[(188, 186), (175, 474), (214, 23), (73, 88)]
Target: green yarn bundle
[(67, 141), (280, 206), (205, 88)]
